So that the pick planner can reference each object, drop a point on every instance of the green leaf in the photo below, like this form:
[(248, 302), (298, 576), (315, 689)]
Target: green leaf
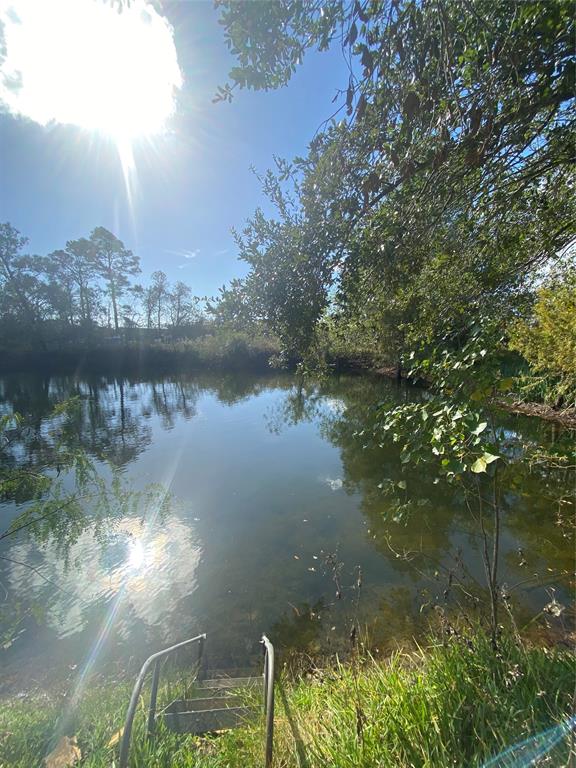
[(490, 457), (480, 428), (506, 384), (479, 465)]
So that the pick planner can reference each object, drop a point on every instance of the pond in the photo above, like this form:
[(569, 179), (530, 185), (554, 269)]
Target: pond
[(278, 519)]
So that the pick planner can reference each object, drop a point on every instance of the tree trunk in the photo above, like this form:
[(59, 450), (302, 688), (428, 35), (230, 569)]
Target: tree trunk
[(115, 310)]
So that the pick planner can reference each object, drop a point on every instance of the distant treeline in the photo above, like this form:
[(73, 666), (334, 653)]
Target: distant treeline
[(86, 293)]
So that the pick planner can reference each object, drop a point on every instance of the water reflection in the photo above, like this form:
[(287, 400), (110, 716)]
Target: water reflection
[(281, 491), (114, 422), (153, 569)]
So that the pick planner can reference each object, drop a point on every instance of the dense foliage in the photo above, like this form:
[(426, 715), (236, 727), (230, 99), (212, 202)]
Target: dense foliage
[(547, 339), (447, 188)]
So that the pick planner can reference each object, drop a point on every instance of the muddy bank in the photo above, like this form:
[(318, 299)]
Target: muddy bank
[(566, 416)]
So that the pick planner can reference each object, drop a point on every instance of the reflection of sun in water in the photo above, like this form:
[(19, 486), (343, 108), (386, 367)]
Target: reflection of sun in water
[(136, 555), (146, 555), (82, 62), (156, 568)]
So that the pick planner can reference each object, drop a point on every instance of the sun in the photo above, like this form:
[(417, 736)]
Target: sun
[(84, 63)]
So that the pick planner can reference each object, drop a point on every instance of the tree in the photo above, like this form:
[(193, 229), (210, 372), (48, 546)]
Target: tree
[(451, 177), (64, 289), (182, 306), (473, 80), (115, 264), (158, 296), (235, 307), (75, 270), (546, 337), (148, 303), (23, 292), (130, 309)]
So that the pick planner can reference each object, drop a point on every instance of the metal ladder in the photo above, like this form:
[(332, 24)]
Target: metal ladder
[(218, 704)]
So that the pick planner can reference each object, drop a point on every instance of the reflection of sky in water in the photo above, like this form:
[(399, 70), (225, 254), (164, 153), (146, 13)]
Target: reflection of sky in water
[(334, 405), (153, 568), (334, 483)]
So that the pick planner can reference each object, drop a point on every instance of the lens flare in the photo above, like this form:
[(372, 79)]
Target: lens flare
[(533, 750)]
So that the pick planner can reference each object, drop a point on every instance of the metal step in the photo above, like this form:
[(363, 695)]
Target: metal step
[(232, 672), (230, 682), (199, 704), (206, 692), (205, 720)]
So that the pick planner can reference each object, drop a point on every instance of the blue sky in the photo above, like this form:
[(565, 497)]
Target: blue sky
[(193, 184)]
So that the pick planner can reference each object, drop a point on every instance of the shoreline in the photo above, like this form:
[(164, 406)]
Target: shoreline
[(238, 355), (481, 703), (566, 417)]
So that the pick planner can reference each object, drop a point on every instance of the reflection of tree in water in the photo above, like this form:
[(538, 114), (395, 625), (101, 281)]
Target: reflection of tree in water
[(89, 506), (412, 508), (113, 422), (108, 427), (233, 388), (344, 410), (303, 402)]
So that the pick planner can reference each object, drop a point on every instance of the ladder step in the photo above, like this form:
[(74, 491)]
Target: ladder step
[(231, 682), (233, 672), (205, 721), (196, 705), (206, 692)]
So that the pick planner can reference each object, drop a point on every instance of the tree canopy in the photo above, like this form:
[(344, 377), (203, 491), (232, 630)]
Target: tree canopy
[(83, 286), (445, 183)]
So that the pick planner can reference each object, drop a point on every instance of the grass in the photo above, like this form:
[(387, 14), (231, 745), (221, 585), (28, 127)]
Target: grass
[(222, 350), (453, 705)]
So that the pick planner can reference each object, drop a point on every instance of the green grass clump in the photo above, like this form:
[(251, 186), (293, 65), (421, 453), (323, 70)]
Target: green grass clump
[(453, 705), (219, 350)]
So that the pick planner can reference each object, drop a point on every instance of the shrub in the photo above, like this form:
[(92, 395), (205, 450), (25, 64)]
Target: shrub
[(547, 340)]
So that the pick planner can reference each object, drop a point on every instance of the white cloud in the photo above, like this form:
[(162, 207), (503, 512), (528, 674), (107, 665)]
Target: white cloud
[(185, 254)]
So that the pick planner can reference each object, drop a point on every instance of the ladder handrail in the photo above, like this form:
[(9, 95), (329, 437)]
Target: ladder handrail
[(268, 697), (127, 732)]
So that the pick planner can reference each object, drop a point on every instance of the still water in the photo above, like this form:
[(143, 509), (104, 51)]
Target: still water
[(277, 519)]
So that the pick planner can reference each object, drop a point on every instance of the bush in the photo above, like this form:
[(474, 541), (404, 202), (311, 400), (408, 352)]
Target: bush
[(547, 340)]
